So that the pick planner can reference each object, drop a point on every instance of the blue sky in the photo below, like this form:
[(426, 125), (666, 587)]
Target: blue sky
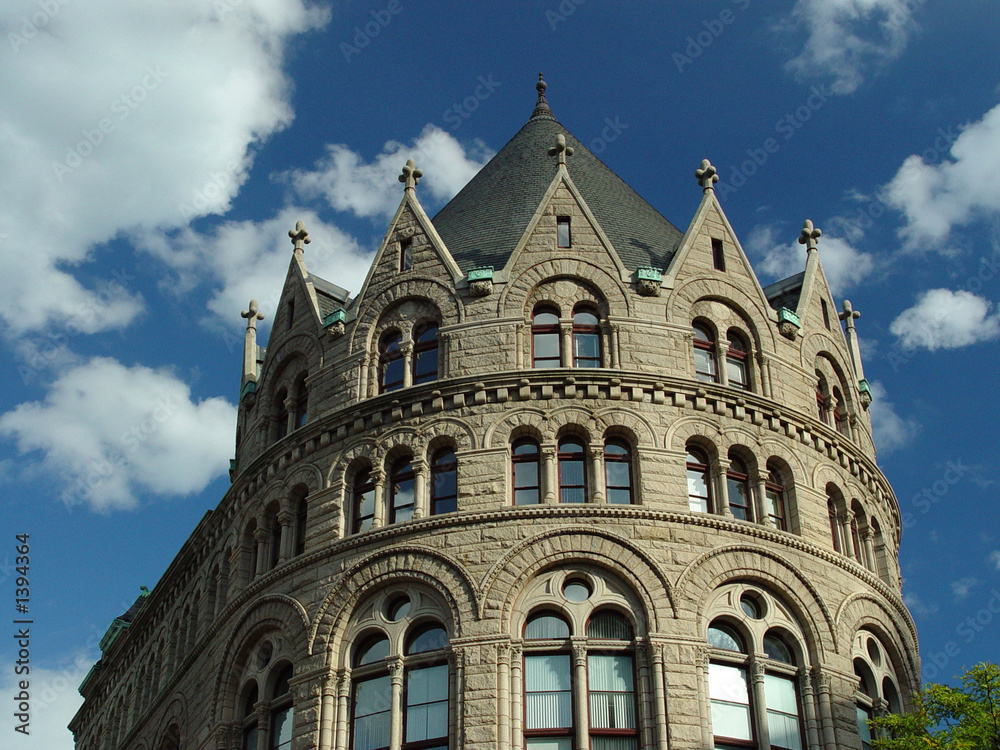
[(153, 158)]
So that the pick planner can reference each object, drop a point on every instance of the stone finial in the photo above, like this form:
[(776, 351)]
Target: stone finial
[(561, 149), (849, 315), (411, 175), (300, 238), (540, 88), (707, 175), (541, 106), (252, 315), (809, 235)]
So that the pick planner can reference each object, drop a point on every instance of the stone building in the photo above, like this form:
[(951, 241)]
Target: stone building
[(559, 476)]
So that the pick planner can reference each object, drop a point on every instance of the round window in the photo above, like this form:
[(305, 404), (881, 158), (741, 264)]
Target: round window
[(397, 608), (751, 606), (264, 654), (874, 652), (576, 590)]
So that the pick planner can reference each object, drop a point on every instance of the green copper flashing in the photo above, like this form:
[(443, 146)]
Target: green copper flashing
[(117, 626), (483, 273), (93, 670), (648, 273), (864, 387), (787, 316), (250, 387), (337, 316)]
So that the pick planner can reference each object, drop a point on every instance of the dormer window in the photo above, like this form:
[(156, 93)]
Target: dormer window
[(406, 254), (562, 231)]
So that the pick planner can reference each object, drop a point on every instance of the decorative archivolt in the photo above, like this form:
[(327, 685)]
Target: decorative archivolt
[(434, 569), (581, 281), (617, 420), (696, 428), (286, 360), (892, 624), (547, 426), (365, 449), (267, 613), (174, 713), (732, 307), (416, 290), (716, 567), (585, 545)]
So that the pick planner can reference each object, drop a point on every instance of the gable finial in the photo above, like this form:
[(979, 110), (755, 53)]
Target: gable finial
[(707, 175), (411, 175), (809, 235), (300, 238), (252, 315), (541, 106), (849, 315), (561, 149)]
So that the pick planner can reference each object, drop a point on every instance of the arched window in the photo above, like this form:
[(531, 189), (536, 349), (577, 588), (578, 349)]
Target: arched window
[(586, 338), (831, 509), (705, 367), (822, 405), (859, 554), (546, 348), (572, 471), (301, 523), (425, 353), (280, 414), (774, 495), (248, 716), (301, 401), (737, 371), (425, 698), (840, 413), (364, 501), (171, 739), (699, 485), (525, 471), (444, 482), (275, 548), (728, 690), (401, 495), (391, 362), (738, 486), (618, 471), (250, 549), (282, 712)]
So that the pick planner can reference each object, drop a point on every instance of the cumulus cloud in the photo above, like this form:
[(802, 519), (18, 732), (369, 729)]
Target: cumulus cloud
[(847, 37), (943, 319), (370, 189), (108, 431), (963, 587), (994, 559), (844, 266), (918, 606), (156, 127), (890, 430), (935, 198), (249, 259)]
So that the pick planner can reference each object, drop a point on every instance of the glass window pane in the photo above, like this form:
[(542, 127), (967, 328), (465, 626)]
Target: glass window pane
[(372, 652), (736, 371), (572, 495), (392, 375), (545, 318), (372, 714), (281, 729), (780, 694), (730, 702), (776, 649), (426, 366), (445, 483), (697, 483), (614, 743), (546, 627), (619, 496), (610, 625), (526, 474), (548, 703), (619, 473), (549, 743), (427, 703), (720, 636), (584, 318), (546, 345), (526, 497), (571, 471), (863, 728), (429, 640)]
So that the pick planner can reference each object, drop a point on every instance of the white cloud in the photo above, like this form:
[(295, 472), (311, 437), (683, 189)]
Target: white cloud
[(109, 432), (994, 558), (963, 587), (371, 189), (943, 319), (846, 37), (54, 701), (123, 119), (917, 605), (249, 260), (936, 198), (890, 430), (844, 266)]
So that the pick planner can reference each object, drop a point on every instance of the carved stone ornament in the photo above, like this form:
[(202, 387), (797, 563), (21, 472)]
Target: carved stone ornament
[(648, 282), (336, 330), (788, 330), (481, 288)]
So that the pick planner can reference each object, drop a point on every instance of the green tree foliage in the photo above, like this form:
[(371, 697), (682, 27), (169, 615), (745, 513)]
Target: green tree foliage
[(948, 718)]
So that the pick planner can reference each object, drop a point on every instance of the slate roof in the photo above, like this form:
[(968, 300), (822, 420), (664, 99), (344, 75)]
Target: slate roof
[(785, 293), (329, 296), (482, 224)]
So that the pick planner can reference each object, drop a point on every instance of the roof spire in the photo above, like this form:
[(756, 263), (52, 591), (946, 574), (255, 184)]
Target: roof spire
[(541, 106)]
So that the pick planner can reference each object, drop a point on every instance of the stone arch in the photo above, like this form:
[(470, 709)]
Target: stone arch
[(498, 434), (458, 431), (893, 625), (686, 428), (308, 474), (365, 448), (505, 579), (174, 714), (299, 347), (264, 614), (615, 418), (773, 448), (440, 572), (682, 307), (713, 568), (512, 301), (415, 287)]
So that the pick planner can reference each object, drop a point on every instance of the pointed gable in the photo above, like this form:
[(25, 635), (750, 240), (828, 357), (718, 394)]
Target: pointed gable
[(483, 223)]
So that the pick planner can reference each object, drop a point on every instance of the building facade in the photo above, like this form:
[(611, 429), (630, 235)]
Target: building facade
[(560, 476)]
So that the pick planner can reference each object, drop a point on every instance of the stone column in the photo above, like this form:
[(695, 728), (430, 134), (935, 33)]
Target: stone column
[(396, 729), (421, 493), (614, 348), (407, 349), (718, 477), (764, 362), (263, 724), (550, 473), (261, 536), (868, 543), (822, 683), (760, 499), (566, 339), (378, 477), (328, 712), (722, 349), (845, 532), (598, 479), (659, 695), (704, 698), (758, 702), (503, 696), (809, 708), (289, 414), (582, 740), (287, 520), (516, 698), (343, 709), (519, 336)]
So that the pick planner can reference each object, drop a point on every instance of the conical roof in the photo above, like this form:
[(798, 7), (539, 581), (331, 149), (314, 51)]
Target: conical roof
[(483, 223)]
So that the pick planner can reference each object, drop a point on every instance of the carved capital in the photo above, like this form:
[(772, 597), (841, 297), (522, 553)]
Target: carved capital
[(648, 287), (481, 288)]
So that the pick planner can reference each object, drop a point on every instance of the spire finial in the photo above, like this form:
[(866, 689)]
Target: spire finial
[(411, 175), (541, 106), (707, 175), (252, 315), (300, 237), (809, 235), (561, 149)]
